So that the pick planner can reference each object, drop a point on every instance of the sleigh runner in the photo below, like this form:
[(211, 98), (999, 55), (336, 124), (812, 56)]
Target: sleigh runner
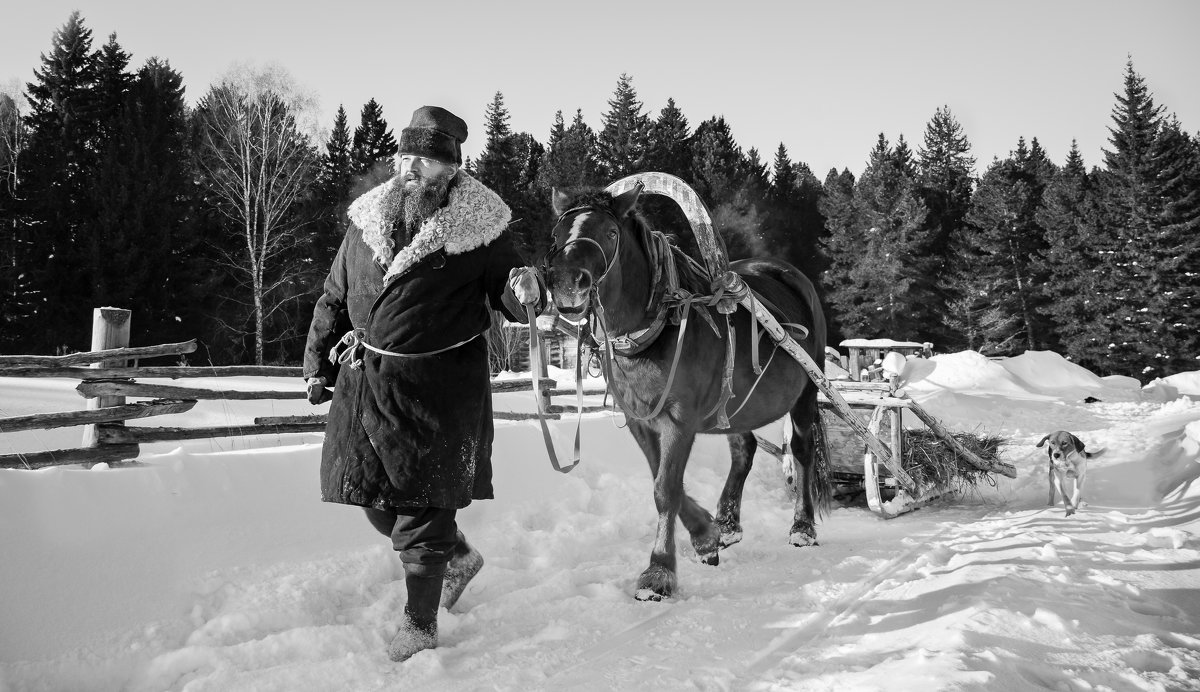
[(863, 420)]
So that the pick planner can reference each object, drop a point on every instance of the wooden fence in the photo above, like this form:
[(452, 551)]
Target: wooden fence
[(110, 378)]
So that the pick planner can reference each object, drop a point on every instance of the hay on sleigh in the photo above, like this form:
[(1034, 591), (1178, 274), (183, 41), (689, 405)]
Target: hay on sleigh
[(930, 459)]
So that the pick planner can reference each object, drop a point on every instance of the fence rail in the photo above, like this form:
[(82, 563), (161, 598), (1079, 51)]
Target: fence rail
[(110, 379)]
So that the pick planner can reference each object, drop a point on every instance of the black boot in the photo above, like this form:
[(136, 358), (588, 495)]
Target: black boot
[(418, 630), (464, 565)]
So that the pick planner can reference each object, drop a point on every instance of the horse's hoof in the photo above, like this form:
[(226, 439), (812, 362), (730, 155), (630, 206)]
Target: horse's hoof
[(729, 538), (713, 558), (802, 540), (1070, 512), (655, 584)]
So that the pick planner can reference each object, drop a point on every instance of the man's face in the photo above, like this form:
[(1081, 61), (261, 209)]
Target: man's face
[(415, 170), (425, 185)]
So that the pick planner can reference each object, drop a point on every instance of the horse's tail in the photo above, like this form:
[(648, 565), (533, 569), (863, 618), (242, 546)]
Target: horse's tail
[(822, 482)]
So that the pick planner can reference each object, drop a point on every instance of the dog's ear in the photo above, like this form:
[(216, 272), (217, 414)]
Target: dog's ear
[(1077, 442), (1043, 441)]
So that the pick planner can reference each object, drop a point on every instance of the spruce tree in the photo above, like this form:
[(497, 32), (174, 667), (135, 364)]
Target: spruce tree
[(374, 146), (154, 261), (59, 163), (623, 138), (499, 165), (1149, 235), (110, 253), (113, 81), (717, 162), (893, 264), (841, 246), (1072, 265), (570, 157), (335, 190), (782, 224), (805, 253), (945, 171), (668, 147), (998, 248)]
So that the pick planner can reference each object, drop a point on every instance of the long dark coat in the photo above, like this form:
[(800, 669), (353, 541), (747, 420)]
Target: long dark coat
[(414, 431)]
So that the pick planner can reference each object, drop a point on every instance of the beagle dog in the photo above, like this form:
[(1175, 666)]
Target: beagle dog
[(1068, 459)]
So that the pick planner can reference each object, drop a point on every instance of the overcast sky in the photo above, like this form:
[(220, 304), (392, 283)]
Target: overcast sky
[(824, 78)]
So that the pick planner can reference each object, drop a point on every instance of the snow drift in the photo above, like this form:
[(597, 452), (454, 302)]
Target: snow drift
[(212, 565)]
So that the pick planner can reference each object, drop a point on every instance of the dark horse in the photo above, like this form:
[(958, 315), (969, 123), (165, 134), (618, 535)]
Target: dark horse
[(601, 253)]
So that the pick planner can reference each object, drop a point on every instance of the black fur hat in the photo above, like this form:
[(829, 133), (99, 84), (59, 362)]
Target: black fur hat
[(434, 133)]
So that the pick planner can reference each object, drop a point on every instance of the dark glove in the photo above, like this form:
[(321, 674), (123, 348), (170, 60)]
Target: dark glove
[(317, 393)]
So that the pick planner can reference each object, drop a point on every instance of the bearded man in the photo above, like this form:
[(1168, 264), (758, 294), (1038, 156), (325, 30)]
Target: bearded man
[(398, 335)]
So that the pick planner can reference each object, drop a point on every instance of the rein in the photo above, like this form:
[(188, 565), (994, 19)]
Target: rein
[(662, 257), (535, 365)]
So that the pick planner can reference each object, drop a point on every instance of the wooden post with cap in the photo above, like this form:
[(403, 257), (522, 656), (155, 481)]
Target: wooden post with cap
[(110, 329)]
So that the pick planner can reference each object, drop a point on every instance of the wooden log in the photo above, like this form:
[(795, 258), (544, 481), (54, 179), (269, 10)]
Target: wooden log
[(509, 415), (288, 420), (102, 355), (860, 399), (109, 414), (562, 391), (142, 435), (110, 331), (163, 372), (817, 375), (557, 408), (521, 385), (1000, 467), (94, 388), (91, 455)]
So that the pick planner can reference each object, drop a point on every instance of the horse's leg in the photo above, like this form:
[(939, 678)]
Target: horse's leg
[(804, 416), (706, 540), (729, 510), (668, 458)]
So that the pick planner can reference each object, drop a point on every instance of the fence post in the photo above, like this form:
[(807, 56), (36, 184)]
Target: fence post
[(110, 329)]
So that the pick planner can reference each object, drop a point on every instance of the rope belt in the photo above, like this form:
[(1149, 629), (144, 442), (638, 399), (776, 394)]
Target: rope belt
[(349, 350)]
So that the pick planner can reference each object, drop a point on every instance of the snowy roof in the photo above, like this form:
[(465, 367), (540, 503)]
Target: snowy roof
[(879, 343)]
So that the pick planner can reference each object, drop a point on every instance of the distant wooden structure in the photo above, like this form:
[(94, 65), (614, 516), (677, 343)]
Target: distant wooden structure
[(867, 352)]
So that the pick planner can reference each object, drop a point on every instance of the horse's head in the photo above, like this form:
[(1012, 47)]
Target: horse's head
[(586, 245)]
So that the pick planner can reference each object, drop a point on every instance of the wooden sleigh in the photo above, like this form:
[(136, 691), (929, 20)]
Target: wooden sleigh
[(857, 411)]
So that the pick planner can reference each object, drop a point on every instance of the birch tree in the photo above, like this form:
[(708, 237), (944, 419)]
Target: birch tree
[(259, 165)]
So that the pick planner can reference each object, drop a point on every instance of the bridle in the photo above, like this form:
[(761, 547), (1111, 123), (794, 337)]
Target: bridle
[(609, 262)]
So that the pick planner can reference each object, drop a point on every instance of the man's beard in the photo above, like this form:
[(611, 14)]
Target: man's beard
[(416, 201)]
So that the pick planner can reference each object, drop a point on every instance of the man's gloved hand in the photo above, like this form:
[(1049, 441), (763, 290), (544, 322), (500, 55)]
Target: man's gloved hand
[(317, 393), (524, 285)]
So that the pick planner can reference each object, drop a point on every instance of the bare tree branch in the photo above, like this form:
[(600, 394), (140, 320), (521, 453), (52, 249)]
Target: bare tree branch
[(260, 165)]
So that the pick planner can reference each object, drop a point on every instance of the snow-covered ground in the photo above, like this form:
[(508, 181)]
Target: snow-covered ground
[(213, 565)]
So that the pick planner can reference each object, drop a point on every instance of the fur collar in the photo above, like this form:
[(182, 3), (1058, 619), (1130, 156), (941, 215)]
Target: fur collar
[(474, 216)]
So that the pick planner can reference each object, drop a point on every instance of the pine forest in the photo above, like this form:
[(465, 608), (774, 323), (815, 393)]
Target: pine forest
[(114, 191)]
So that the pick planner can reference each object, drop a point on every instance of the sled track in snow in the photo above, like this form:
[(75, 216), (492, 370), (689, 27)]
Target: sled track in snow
[(818, 623), (631, 646)]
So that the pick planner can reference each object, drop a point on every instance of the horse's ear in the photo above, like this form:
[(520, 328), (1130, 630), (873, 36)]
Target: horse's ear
[(559, 201), (624, 202)]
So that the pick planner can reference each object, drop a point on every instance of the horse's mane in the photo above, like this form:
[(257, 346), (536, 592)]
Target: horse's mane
[(692, 275)]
